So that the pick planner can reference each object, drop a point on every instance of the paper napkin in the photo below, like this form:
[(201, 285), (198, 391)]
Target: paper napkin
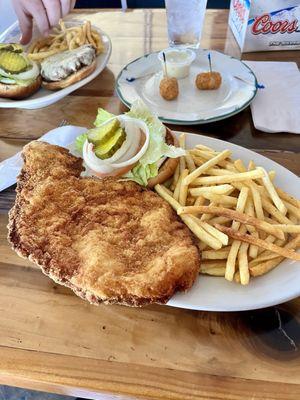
[(11, 167), (276, 108)]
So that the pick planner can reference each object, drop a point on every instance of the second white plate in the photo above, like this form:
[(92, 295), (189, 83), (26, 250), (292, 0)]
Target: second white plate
[(43, 97), (282, 284), (141, 77)]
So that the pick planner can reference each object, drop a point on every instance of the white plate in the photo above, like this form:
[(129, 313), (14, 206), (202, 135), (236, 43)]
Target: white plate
[(43, 97), (192, 106), (280, 285)]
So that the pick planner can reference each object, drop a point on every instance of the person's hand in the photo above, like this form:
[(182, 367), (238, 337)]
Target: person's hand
[(46, 14)]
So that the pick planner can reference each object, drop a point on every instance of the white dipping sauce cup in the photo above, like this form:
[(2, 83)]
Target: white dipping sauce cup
[(178, 62)]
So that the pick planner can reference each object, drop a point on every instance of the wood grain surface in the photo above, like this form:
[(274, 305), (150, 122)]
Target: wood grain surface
[(52, 340)]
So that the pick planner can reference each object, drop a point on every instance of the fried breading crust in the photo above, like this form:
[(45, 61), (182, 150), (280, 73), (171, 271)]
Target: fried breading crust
[(109, 241)]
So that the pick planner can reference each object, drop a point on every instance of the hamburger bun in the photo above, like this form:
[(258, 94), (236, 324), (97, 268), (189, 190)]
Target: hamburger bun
[(75, 77), (168, 167), (18, 91)]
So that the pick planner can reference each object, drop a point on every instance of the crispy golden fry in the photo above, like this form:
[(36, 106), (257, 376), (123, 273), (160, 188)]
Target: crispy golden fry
[(219, 172), (221, 199), (202, 147), (213, 269), (240, 206), (287, 197), (272, 192), (207, 217), (221, 254), (219, 220), (232, 256), (243, 264), (210, 163), (190, 162), (272, 175), (288, 228), (234, 215), (264, 267), (251, 165), (221, 189), (292, 209), (183, 174), (268, 206), (214, 232), (258, 242), (266, 255), (65, 39), (215, 180), (190, 220), (268, 239), (183, 189), (249, 210), (239, 165), (202, 233), (175, 178)]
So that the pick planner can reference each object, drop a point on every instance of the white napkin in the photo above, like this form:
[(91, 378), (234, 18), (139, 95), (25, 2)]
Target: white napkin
[(11, 167), (276, 108)]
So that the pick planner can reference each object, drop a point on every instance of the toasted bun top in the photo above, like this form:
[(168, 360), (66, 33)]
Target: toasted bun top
[(73, 78), (19, 92), (169, 166)]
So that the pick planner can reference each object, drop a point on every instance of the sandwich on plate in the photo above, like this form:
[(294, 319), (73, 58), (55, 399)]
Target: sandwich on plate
[(134, 145), (19, 76), (68, 67)]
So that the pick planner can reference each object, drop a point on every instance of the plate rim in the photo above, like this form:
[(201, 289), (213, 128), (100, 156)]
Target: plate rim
[(29, 103), (173, 302), (196, 121)]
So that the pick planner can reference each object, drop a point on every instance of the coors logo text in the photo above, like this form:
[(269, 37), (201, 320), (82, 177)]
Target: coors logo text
[(264, 24)]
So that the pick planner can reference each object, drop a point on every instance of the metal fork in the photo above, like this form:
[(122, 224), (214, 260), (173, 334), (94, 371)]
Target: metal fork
[(64, 122)]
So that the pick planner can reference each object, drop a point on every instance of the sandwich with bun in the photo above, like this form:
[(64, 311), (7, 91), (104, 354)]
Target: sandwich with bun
[(135, 146), (68, 67), (19, 76)]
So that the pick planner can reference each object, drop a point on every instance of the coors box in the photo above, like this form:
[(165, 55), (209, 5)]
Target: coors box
[(260, 25)]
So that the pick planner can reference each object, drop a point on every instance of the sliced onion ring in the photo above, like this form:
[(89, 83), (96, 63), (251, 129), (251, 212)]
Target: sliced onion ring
[(133, 154)]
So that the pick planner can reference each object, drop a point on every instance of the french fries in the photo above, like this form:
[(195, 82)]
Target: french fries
[(258, 242), (245, 224), (65, 39), (235, 216)]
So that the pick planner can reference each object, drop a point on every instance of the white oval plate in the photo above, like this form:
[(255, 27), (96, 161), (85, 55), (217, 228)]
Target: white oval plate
[(43, 97), (280, 285), (192, 106)]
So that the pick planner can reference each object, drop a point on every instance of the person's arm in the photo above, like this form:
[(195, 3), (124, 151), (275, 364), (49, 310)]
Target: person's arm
[(46, 13)]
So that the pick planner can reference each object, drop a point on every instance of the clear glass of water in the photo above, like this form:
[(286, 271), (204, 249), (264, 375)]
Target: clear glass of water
[(185, 21)]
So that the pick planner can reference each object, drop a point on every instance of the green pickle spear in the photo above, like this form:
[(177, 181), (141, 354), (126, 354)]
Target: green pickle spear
[(100, 135), (108, 149), (13, 63)]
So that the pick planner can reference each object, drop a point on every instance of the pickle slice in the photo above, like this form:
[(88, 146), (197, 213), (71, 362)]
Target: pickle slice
[(11, 62), (98, 136), (108, 149)]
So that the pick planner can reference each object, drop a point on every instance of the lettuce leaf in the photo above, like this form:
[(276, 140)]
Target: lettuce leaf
[(142, 173), (102, 116), (79, 141)]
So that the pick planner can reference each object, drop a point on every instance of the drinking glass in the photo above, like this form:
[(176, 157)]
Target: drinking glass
[(185, 21)]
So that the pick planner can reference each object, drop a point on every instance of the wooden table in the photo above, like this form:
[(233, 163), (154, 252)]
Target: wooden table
[(51, 340)]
